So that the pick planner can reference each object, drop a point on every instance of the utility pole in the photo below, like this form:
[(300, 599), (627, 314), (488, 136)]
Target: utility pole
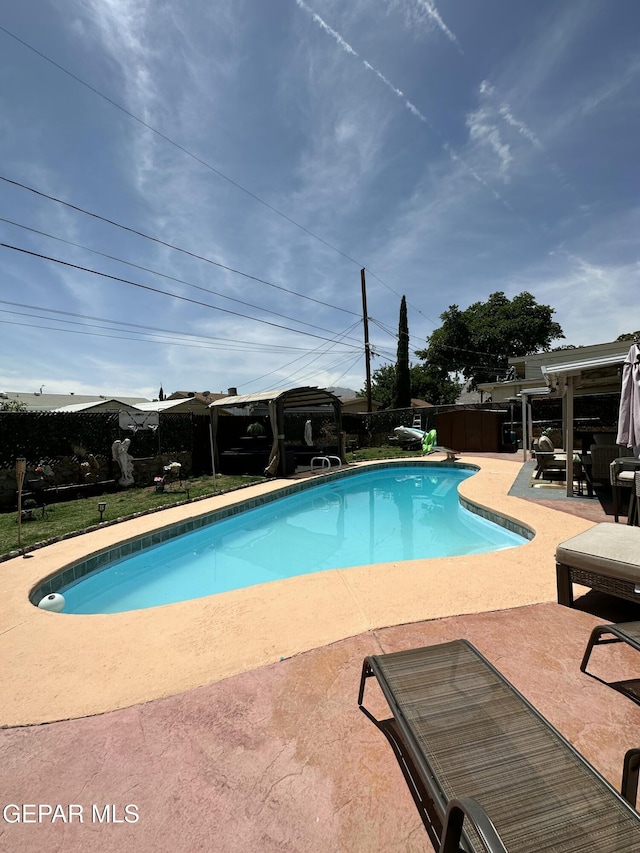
[(367, 347)]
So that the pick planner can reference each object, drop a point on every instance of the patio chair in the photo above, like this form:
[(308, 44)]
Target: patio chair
[(602, 455), (545, 454), (553, 466), (485, 769), (621, 476)]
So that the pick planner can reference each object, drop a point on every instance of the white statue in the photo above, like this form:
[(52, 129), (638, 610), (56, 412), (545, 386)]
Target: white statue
[(308, 433), (120, 453)]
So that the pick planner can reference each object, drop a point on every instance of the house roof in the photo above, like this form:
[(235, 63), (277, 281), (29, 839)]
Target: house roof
[(167, 405), (595, 368), (108, 403), (581, 365), (529, 366), (36, 401), (205, 397)]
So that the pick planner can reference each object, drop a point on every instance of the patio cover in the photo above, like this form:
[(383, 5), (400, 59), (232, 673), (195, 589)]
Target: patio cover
[(305, 397), (527, 426), (577, 377)]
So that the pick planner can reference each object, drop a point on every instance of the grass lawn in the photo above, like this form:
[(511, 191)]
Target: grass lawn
[(62, 519), (387, 451)]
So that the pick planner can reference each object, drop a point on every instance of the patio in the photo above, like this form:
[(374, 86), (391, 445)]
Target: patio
[(280, 758)]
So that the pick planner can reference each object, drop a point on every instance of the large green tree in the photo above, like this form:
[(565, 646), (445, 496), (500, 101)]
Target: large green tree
[(478, 341), (402, 395)]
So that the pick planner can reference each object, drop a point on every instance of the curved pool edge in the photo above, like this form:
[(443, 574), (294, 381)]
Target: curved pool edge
[(59, 668), (124, 548)]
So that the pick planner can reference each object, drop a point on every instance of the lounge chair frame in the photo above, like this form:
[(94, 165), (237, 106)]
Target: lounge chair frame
[(601, 635), (494, 771)]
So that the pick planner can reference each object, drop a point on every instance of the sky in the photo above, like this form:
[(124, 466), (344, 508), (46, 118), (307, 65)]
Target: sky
[(189, 190)]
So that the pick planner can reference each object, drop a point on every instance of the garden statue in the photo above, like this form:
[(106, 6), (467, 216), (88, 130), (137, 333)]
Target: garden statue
[(120, 454)]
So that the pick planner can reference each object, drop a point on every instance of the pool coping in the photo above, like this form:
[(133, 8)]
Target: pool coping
[(60, 667), (97, 560)]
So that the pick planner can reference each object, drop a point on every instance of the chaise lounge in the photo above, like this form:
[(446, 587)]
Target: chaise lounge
[(486, 770), (605, 558)]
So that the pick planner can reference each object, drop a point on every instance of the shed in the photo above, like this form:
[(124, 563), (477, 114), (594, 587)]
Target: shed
[(278, 458), (478, 430)]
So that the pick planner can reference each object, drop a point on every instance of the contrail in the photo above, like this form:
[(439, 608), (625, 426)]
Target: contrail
[(325, 26), (521, 127), (396, 91), (458, 159), (348, 49), (434, 15)]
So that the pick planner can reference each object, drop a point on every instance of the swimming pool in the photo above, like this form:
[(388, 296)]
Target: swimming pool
[(385, 514)]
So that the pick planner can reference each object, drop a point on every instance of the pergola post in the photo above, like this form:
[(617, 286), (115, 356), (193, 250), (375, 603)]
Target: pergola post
[(567, 417)]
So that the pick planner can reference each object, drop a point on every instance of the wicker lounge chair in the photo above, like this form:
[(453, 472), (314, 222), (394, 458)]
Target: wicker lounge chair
[(605, 558), (486, 770), (622, 472), (602, 455)]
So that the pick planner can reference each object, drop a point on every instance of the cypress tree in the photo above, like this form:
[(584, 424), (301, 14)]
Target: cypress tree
[(403, 371)]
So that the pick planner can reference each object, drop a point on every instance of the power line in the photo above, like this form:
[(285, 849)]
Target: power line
[(162, 292), (344, 373), (176, 144), (145, 327), (303, 371), (94, 334), (167, 245), (202, 162), (299, 358), (164, 275), (199, 342)]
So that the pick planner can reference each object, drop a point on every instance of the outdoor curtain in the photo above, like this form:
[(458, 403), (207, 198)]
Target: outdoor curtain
[(629, 413), (272, 467)]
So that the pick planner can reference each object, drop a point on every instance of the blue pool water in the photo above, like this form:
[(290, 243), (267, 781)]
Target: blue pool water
[(374, 516)]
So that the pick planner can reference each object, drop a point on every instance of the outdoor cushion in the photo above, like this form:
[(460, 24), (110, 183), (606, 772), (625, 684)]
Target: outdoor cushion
[(545, 444), (605, 549)]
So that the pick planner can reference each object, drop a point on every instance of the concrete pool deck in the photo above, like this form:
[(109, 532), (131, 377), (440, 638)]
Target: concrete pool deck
[(59, 667), (279, 757)]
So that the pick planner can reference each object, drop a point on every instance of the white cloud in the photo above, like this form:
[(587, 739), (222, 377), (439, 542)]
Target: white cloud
[(424, 13), (580, 289), (484, 131)]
